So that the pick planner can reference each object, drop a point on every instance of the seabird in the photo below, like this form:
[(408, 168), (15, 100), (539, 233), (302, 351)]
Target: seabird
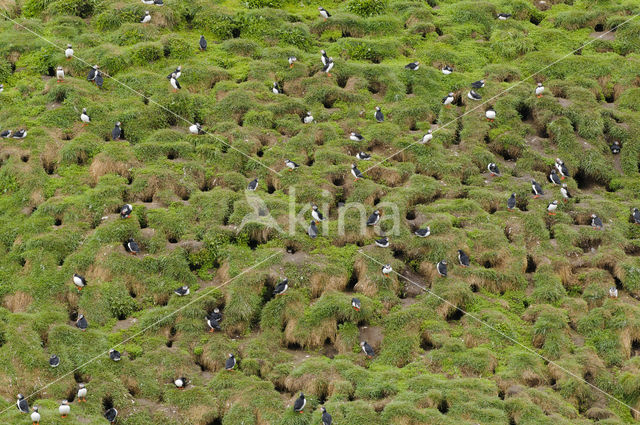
[(84, 117), (477, 84), (290, 164), (132, 247), (374, 218), (178, 72), (79, 281), (552, 207), (99, 80), (378, 115), (493, 169), (323, 13), (196, 128), (427, 137), (596, 223), (356, 137), (180, 383), (565, 192), (275, 88), (5, 134), (562, 169), (463, 258), (213, 322), (539, 90), (636, 216), (92, 73), (383, 243), (386, 269), (54, 361), (536, 189), (363, 156), (174, 82), (147, 1), (292, 60), (216, 315), (68, 53), (82, 323), (326, 417), (60, 74), (111, 415), (116, 133), (615, 148), (316, 214), (423, 233), (1, 88), (146, 18), (313, 230), (328, 67), (182, 291), (490, 114), (613, 292), (553, 178), (126, 210), (448, 100), (473, 95), (446, 70), (441, 267), (413, 66), (230, 364), (356, 173), (64, 409), (324, 57), (298, 405), (504, 16), (253, 185), (158, 2), (367, 349), (20, 134), (82, 393), (308, 119), (281, 287), (23, 406), (511, 202), (35, 416), (355, 303), (114, 355), (203, 43)]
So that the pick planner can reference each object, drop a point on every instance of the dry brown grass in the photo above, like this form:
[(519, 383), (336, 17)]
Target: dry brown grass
[(50, 157), (17, 302), (364, 285), (103, 164), (321, 282)]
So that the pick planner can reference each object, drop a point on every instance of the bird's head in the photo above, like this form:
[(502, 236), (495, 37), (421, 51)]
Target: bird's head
[(377, 108), (444, 262), (362, 344), (215, 310), (81, 385), (20, 396), (118, 124), (450, 94), (594, 216), (230, 355), (69, 46)]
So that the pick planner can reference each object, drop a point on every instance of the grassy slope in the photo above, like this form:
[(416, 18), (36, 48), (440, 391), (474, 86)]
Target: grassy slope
[(542, 281)]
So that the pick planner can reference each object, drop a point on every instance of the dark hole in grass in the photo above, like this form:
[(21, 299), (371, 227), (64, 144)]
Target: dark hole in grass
[(399, 253), (425, 343), (360, 243), (438, 31), (474, 287), (267, 290), (525, 303), (584, 181), (24, 158), (501, 395), (522, 203), (132, 293), (376, 200), (147, 199), (455, 315), (260, 153), (374, 87), (61, 261), (346, 33), (411, 215), (215, 421), (235, 32), (353, 279), (635, 347), (531, 265), (310, 161), (412, 126), (535, 20), (252, 243), (203, 367), (58, 222), (409, 89), (291, 249), (270, 187), (598, 28), (73, 315), (328, 101), (589, 244), (22, 261), (107, 403), (71, 395), (171, 155), (337, 180), (223, 148), (294, 346), (618, 283), (493, 209), (173, 240), (77, 376), (443, 407), (512, 421), (609, 96), (49, 167), (342, 80), (487, 264), (524, 111)]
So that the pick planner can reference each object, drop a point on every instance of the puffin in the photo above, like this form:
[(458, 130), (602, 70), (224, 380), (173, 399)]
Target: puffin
[(82, 393), (213, 323), (386, 269), (35, 416), (356, 173), (174, 82), (178, 72), (180, 383), (290, 164), (374, 218), (493, 169), (324, 13), (427, 137), (84, 117), (92, 73), (490, 114), (363, 156), (99, 80), (308, 119), (126, 210), (79, 281), (413, 66), (182, 291), (111, 415), (281, 287), (473, 95), (562, 169), (511, 202), (448, 100), (463, 258), (615, 148), (147, 1), (275, 88), (313, 230), (1, 88), (613, 292), (596, 223), (6, 134), (115, 355), (553, 178), (635, 215), (230, 364), (539, 90), (146, 18), (441, 267), (253, 185), (477, 84), (367, 349), (552, 207), (298, 405), (326, 417), (292, 60), (423, 233), (68, 53), (356, 304), (328, 67), (383, 243), (54, 361), (356, 137), (203, 43), (196, 128), (116, 133), (536, 189), (20, 134), (132, 247), (323, 57), (565, 192), (216, 315), (504, 16), (82, 323), (60, 74), (378, 115), (23, 406), (446, 70), (64, 409), (316, 214)]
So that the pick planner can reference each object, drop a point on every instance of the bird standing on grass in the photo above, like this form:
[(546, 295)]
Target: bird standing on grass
[(5, 134), (596, 223), (132, 247), (326, 417), (146, 18), (99, 80), (1, 88), (635, 215), (92, 73), (323, 12), (441, 267), (427, 137), (23, 406), (292, 60), (356, 137), (203, 43), (539, 90), (180, 383), (423, 233), (275, 88), (615, 148), (60, 74), (374, 218), (115, 355), (182, 291), (493, 169), (298, 405), (356, 173), (328, 67), (54, 361), (386, 270), (308, 119), (504, 16), (323, 57), (463, 258), (613, 292), (82, 323), (367, 349), (448, 100), (378, 115), (413, 66), (553, 178), (363, 156), (117, 133), (126, 210), (511, 202), (565, 192), (313, 230), (174, 82), (536, 189), (473, 95), (20, 134), (446, 70), (64, 409), (356, 304), (316, 214), (213, 323), (477, 84), (290, 164), (196, 129), (552, 207), (562, 169), (253, 185), (111, 415), (281, 287), (82, 393), (383, 243), (230, 364), (79, 281), (84, 117), (490, 114), (35, 416), (68, 53)]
